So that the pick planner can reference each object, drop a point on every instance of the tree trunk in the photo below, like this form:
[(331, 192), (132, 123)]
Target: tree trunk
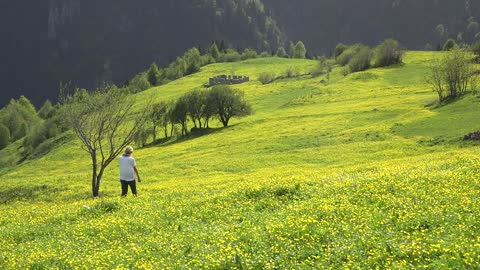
[(95, 187), (224, 121), (99, 178), (154, 133)]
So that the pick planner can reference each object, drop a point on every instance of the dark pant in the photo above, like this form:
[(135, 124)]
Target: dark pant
[(125, 184)]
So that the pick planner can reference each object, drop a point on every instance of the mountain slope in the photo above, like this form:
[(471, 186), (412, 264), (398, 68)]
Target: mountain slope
[(89, 42), (333, 175), (324, 23)]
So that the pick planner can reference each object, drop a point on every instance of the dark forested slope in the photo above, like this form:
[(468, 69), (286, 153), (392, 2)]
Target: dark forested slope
[(88, 42), (324, 23)]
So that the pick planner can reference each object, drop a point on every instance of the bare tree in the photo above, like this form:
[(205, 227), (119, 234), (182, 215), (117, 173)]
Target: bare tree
[(105, 123)]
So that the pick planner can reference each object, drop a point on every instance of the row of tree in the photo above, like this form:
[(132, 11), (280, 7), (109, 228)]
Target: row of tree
[(197, 107)]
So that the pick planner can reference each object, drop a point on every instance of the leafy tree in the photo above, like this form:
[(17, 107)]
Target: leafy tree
[(452, 75), (209, 110), (179, 113), (440, 34), (176, 69), (291, 49), (472, 29), (153, 74), (339, 49), (16, 113), (388, 53), (4, 136), (196, 105), (449, 45), (228, 103), (139, 83), (22, 130), (299, 50), (193, 61), (47, 110), (27, 111), (281, 52), (213, 51), (141, 137), (104, 122), (157, 117)]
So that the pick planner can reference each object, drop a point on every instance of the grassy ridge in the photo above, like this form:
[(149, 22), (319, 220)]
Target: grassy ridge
[(354, 173)]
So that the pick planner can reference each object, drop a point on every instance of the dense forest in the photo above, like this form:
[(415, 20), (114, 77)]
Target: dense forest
[(90, 42)]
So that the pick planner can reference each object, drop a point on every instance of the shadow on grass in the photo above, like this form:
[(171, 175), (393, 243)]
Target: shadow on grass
[(27, 193), (193, 134)]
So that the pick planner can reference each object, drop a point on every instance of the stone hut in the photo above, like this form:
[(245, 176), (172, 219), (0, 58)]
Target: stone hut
[(227, 80)]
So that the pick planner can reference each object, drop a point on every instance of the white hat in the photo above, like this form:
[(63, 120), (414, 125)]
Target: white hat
[(128, 150)]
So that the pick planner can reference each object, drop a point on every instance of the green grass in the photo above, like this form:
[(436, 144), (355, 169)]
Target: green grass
[(356, 173)]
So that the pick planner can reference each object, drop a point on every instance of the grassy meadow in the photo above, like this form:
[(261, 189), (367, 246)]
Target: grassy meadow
[(360, 172)]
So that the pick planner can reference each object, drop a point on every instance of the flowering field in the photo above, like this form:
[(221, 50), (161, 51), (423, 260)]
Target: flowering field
[(355, 173)]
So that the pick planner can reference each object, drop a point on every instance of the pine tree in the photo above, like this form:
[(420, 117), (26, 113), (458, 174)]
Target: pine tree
[(4, 136), (47, 110), (152, 74), (214, 52)]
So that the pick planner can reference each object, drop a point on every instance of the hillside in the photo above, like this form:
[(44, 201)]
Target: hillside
[(354, 173)]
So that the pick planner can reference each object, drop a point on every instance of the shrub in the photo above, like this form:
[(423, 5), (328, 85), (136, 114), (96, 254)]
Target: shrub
[(230, 56), (452, 75), (264, 54), (344, 58), (388, 53), (345, 71), (361, 60), (249, 54), (292, 72), (266, 77), (449, 45), (324, 66)]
